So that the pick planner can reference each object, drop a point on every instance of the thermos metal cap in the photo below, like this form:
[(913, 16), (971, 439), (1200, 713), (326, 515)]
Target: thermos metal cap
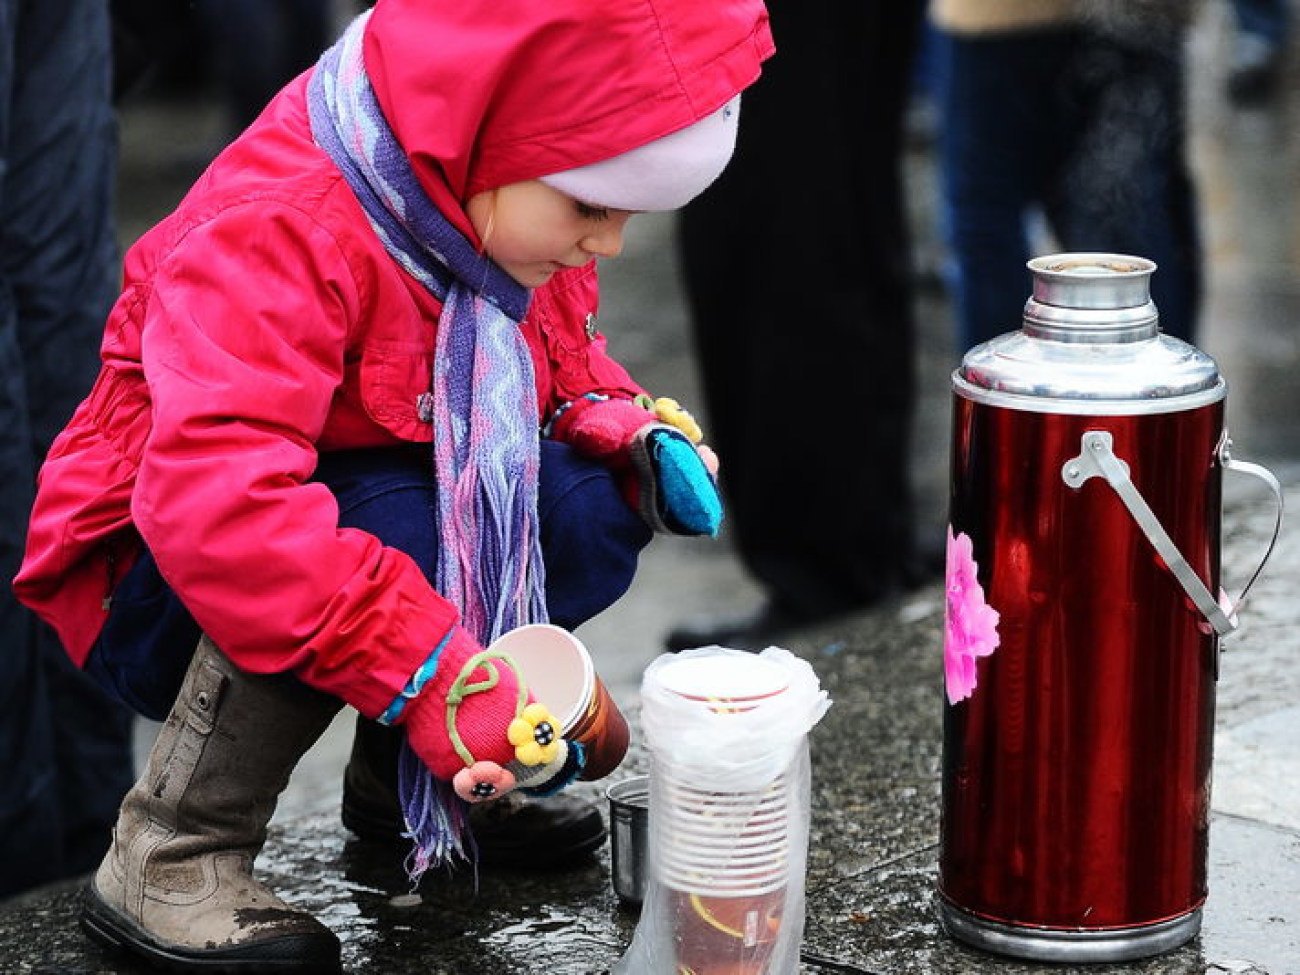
[(1090, 342), (1091, 298)]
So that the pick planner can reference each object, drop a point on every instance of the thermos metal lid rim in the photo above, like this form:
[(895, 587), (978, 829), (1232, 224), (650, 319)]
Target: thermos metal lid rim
[(1092, 281), (1082, 403)]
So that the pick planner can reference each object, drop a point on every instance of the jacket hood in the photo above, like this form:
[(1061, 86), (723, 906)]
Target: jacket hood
[(482, 93)]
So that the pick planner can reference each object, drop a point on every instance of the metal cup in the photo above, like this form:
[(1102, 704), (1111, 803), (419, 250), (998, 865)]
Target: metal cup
[(629, 823)]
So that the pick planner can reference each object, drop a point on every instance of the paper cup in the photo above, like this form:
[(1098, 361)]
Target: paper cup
[(730, 881), (724, 684), (559, 671), (731, 935)]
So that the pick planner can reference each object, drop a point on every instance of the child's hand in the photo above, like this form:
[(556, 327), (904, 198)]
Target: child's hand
[(666, 477), (708, 457), (473, 724)]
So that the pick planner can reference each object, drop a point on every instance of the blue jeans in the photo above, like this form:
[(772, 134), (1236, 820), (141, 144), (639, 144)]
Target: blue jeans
[(1087, 130), (65, 748), (590, 543), (1268, 19)]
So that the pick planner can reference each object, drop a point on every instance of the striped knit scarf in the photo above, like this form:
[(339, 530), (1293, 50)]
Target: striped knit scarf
[(481, 400)]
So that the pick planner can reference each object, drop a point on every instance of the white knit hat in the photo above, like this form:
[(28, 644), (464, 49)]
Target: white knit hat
[(661, 175)]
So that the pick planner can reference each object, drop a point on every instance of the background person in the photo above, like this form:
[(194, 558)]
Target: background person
[(1072, 111), (65, 747), (798, 276)]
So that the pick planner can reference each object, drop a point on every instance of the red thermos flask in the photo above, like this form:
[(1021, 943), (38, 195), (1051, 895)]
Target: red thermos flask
[(1083, 623)]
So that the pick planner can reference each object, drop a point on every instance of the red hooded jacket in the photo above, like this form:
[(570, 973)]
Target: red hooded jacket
[(263, 321)]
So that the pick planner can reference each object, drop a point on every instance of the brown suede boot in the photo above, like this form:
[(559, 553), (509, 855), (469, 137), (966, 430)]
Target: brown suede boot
[(176, 888)]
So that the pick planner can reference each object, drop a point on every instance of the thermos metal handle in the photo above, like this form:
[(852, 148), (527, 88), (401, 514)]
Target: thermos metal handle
[(1265, 475), (1097, 459)]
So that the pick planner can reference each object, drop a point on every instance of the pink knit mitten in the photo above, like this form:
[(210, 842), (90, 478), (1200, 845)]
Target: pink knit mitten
[(652, 449), (476, 725)]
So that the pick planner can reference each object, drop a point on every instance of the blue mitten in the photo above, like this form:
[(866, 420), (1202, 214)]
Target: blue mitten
[(677, 492), (651, 448)]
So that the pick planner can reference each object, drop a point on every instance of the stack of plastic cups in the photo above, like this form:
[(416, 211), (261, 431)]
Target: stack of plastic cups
[(729, 810), (726, 859)]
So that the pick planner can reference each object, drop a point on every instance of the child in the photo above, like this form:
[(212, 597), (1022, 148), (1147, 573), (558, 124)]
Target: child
[(253, 462)]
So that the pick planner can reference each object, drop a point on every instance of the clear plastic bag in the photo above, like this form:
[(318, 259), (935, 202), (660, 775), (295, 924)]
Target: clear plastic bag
[(728, 814)]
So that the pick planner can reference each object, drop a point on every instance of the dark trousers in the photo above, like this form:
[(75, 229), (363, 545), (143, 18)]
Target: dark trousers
[(590, 543), (259, 45), (1085, 127), (65, 748), (797, 269)]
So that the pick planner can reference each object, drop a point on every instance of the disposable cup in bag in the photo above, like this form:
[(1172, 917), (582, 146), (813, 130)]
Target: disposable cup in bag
[(728, 812)]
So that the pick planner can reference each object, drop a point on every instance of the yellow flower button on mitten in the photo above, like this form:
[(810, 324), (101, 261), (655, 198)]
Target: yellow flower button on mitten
[(669, 411), (534, 736)]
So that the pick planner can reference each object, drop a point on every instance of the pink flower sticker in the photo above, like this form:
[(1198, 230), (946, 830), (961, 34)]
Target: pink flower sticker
[(970, 627)]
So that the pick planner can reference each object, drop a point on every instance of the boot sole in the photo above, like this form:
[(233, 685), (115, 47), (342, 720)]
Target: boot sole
[(301, 954)]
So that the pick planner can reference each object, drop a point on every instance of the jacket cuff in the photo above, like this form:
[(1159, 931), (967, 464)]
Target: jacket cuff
[(422, 675)]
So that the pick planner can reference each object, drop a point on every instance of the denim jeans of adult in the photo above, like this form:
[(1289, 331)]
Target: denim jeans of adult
[(1086, 128), (65, 747), (590, 543), (1267, 19)]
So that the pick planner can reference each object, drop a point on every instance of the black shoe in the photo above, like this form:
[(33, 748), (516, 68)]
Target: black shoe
[(513, 831), (536, 834), (370, 804), (927, 564), (761, 628)]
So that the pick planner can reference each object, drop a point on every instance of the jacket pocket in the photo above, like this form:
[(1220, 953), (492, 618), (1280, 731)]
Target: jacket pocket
[(393, 378)]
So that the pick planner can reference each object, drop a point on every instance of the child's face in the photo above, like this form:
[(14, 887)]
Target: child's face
[(533, 231)]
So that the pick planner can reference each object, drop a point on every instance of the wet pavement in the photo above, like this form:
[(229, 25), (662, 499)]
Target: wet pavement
[(876, 754)]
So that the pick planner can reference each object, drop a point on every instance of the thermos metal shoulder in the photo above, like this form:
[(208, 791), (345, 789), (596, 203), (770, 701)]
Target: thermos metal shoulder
[(1090, 343)]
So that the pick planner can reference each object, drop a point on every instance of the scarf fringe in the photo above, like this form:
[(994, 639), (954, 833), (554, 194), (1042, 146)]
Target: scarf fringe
[(436, 819)]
